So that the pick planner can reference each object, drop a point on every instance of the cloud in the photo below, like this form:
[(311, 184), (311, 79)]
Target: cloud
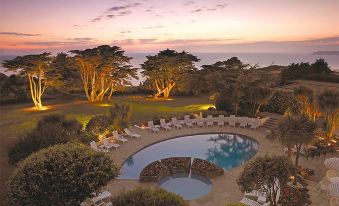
[(153, 41), (188, 3), (18, 34), (152, 27), (57, 43), (196, 11), (116, 11), (215, 8)]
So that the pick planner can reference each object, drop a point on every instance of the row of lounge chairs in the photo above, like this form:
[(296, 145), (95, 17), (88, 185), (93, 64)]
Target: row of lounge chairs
[(110, 142), (221, 120), (102, 199)]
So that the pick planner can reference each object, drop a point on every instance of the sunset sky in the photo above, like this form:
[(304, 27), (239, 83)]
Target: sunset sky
[(150, 25)]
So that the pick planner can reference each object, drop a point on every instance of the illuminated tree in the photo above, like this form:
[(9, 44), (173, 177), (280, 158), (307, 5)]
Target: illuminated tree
[(165, 69), (103, 70), (308, 101), (41, 75), (329, 106)]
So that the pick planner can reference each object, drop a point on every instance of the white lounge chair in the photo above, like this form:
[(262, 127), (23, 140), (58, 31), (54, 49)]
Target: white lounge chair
[(332, 163), (154, 128), (176, 123), (164, 125), (109, 145), (131, 134), (243, 122), (232, 121), (221, 120), (200, 121), (249, 202), (188, 122), (209, 121), (254, 123), (118, 137), (97, 148)]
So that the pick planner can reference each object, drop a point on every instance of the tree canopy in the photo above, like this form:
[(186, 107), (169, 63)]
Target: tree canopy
[(103, 70), (266, 174), (296, 131), (165, 69), (41, 75), (60, 175)]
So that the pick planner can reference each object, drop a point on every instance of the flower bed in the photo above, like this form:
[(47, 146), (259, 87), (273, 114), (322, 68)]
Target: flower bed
[(204, 167), (178, 164), (154, 172)]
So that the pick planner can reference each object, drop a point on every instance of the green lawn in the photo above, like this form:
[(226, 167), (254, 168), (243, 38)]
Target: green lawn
[(18, 118)]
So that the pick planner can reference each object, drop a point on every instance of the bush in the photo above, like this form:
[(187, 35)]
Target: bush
[(280, 102), (235, 204), (50, 130), (148, 197), (96, 126), (223, 104), (60, 175)]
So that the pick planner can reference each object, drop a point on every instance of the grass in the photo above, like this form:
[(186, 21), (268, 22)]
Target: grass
[(16, 119)]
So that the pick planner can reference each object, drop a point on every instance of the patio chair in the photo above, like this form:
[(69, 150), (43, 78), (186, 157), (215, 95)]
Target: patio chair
[(332, 163), (131, 134), (176, 123), (109, 145), (244, 122), (154, 128), (164, 125), (209, 121), (333, 189), (118, 137), (188, 121), (221, 120), (249, 202), (97, 148), (232, 121), (200, 121), (254, 123)]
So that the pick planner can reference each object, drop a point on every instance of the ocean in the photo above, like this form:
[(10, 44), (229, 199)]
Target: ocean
[(262, 59)]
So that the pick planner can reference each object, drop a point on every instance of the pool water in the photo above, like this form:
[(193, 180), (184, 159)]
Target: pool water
[(225, 150), (183, 185)]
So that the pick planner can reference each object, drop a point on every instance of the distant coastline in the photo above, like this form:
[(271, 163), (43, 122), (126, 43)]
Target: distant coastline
[(326, 53)]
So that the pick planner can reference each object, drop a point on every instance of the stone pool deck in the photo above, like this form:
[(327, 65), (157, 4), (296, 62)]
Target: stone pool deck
[(224, 189)]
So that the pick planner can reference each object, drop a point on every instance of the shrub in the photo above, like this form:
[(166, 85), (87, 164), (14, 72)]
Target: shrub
[(120, 115), (235, 204), (148, 197), (96, 126), (223, 104), (280, 102), (60, 175), (50, 130)]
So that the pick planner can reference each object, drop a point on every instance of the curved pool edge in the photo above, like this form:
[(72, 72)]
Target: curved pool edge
[(223, 190)]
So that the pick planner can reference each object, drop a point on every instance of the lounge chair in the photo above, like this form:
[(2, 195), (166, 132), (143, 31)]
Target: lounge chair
[(254, 123), (154, 128), (333, 189), (209, 121), (332, 163), (118, 137), (188, 122), (200, 121), (97, 148), (131, 134), (243, 122), (164, 125), (232, 121), (249, 202), (176, 123), (221, 120), (109, 145)]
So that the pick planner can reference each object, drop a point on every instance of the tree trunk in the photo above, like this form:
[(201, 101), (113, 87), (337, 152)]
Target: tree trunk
[(297, 155), (289, 151)]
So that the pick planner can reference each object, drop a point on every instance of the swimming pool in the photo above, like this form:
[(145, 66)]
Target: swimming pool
[(189, 186), (225, 150)]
